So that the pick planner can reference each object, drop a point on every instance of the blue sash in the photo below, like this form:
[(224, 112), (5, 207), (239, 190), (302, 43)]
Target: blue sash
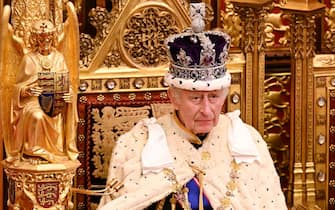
[(193, 195)]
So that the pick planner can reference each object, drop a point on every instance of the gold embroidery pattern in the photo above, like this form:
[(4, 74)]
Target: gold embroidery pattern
[(231, 186), (180, 192), (205, 155)]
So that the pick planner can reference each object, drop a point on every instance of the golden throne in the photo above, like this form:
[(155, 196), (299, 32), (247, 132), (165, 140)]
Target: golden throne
[(121, 79)]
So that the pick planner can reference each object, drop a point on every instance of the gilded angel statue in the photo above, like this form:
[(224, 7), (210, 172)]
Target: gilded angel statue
[(39, 90)]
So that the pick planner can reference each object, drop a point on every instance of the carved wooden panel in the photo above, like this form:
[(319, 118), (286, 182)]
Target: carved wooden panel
[(103, 117)]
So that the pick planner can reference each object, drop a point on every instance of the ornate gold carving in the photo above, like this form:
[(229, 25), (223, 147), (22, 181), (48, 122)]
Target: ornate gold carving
[(332, 129), (81, 138), (320, 82), (277, 119), (132, 96), (332, 148), (332, 165), (297, 116), (259, 80), (320, 157), (274, 23), (209, 14), (100, 97), (153, 82), (81, 172), (253, 45), (109, 124), (163, 95), (81, 155), (125, 83), (102, 20), (324, 60), (248, 86), (332, 112), (147, 96), (113, 59), (144, 35), (304, 24), (116, 97), (145, 83), (96, 84), (329, 37), (320, 119), (250, 21), (303, 50), (235, 78), (24, 13), (253, 17), (274, 102), (81, 122), (231, 23), (37, 186), (332, 183), (83, 99), (87, 48)]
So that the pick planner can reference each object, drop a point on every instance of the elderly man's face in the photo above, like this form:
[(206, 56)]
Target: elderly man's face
[(198, 110)]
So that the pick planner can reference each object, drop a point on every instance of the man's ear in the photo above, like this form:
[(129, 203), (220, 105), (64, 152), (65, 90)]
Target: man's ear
[(173, 98)]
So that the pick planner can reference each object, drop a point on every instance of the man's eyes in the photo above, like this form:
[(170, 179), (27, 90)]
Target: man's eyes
[(211, 98), (195, 98)]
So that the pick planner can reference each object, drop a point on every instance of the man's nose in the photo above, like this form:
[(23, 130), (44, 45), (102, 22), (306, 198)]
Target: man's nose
[(205, 105)]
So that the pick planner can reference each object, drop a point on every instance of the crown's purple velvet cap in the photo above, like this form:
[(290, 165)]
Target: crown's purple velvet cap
[(193, 49)]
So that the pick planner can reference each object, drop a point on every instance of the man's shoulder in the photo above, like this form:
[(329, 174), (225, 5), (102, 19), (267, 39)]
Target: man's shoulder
[(255, 134), (225, 121)]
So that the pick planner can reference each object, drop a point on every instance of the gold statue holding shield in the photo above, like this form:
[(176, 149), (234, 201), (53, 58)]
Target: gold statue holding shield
[(38, 108), (43, 125)]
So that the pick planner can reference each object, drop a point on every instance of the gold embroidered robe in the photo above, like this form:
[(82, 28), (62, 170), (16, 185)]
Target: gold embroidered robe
[(258, 185)]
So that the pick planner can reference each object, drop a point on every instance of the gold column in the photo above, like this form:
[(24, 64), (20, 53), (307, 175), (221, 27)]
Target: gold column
[(1, 140), (303, 15), (252, 15), (1, 6)]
